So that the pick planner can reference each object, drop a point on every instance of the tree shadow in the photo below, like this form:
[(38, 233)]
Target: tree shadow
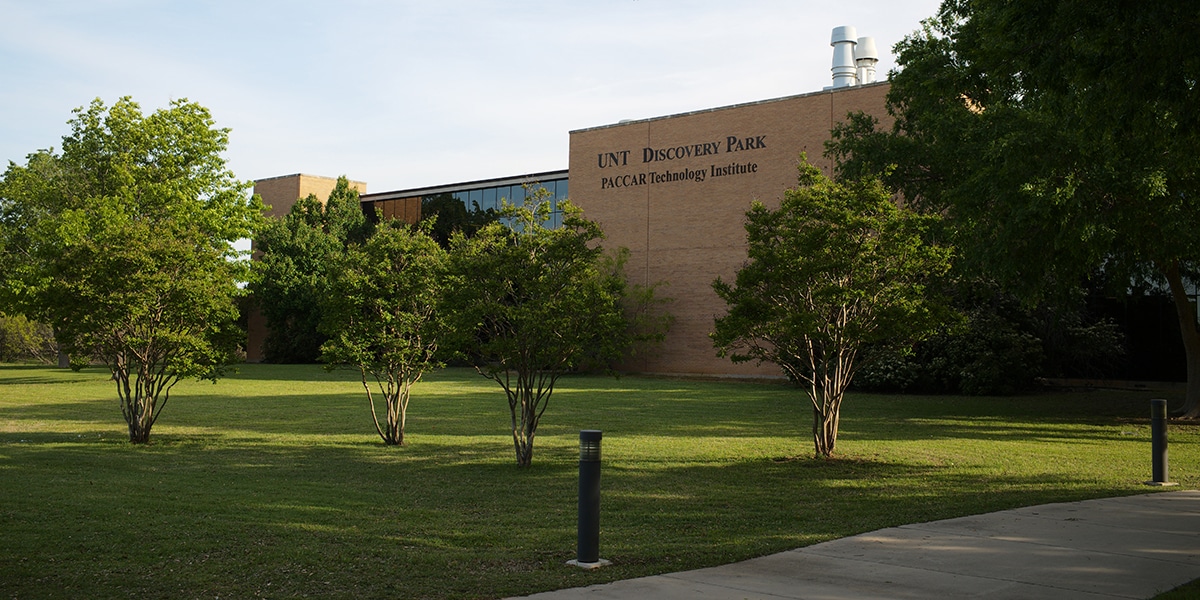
[(18, 374), (297, 489), (312, 516)]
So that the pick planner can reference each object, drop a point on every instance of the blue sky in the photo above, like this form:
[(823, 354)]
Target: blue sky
[(407, 94)]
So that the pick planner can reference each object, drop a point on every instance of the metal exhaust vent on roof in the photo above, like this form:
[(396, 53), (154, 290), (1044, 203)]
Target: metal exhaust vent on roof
[(845, 73), (854, 58), (865, 58)]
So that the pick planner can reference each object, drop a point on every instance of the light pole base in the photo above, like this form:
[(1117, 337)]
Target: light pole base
[(590, 566), (1161, 483)]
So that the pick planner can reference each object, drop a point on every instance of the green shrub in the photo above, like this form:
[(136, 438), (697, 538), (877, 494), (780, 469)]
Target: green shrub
[(25, 340)]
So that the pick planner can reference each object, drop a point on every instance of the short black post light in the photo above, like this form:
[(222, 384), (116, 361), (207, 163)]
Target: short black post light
[(1158, 442), (587, 553)]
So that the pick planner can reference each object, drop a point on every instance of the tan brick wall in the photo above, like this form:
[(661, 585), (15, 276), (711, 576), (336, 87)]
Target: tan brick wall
[(689, 232), (280, 193)]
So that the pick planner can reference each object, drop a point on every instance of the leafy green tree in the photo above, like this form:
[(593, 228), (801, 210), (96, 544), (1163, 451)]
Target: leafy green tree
[(22, 339), (123, 244), (1001, 346), (838, 267), (449, 215), (534, 303), (644, 307), (990, 351), (294, 269), (1058, 137), (384, 315)]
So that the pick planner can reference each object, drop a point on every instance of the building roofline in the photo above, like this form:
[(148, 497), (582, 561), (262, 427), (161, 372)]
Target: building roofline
[(465, 185), (305, 175), (828, 90)]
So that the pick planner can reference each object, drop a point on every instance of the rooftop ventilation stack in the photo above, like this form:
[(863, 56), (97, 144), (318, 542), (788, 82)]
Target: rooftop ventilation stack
[(845, 72), (865, 57)]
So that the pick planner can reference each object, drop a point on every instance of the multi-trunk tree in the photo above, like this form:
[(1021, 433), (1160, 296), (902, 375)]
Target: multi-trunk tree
[(384, 314), (838, 268), (124, 244), (532, 303)]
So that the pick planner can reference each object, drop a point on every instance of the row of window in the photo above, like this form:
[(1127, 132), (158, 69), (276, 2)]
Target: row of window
[(489, 198)]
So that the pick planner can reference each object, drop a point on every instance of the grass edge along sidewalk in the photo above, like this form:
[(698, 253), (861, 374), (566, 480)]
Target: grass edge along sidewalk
[(273, 483)]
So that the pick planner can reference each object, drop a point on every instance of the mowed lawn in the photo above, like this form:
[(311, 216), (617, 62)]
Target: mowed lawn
[(273, 483)]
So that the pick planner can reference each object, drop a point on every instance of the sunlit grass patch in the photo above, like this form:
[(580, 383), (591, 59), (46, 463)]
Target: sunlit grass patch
[(273, 482)]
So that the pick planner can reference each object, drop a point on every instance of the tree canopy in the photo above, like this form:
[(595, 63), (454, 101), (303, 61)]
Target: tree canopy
[(294, 270), (1060, 139), (449, 215), (123, 244), (837, 268)]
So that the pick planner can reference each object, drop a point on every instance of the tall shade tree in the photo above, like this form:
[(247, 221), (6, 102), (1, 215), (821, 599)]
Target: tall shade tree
[(384, 316), (533, 303), (124, 244), (837, 268), (1059, 138), (295, 267)]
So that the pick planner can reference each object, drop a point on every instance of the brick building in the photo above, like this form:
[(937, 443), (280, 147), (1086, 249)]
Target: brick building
[(672, 189)]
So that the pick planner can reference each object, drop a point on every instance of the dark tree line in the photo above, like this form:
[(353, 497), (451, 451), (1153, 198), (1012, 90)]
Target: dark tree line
[(1059, 138)]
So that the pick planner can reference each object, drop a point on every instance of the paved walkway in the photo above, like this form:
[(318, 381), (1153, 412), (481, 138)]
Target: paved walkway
[(1131, 547)]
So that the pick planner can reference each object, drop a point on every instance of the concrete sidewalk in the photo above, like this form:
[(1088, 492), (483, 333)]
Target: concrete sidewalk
[(1130, 547)]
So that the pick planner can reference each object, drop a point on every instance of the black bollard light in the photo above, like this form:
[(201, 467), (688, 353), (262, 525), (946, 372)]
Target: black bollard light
[(587, 552), (1158, 442)]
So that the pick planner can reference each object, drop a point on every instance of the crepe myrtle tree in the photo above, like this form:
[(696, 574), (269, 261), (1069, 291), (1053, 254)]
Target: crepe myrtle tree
[(533, 303), (836, 268), (123, 243), (383, 315)]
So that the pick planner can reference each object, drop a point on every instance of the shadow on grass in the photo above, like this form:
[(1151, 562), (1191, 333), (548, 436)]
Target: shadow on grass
[(750, 508), (12, 374), (295, 490), (456, 515), (291, 372), (987, 430), (468, 485), (681, 416)]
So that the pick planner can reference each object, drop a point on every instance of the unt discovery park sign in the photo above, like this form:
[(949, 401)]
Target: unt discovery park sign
[(722, 165)]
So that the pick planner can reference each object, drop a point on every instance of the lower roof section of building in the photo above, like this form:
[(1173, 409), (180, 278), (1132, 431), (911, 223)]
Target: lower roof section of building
[(466, 186)]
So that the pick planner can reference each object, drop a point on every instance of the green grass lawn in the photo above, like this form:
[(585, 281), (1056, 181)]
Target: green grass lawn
[(273, 483)]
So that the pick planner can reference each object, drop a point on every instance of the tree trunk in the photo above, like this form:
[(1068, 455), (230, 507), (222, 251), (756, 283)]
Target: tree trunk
[(396, 400), (142, 401), (525, 453), (523, 445), (138, 434), (140, 420), (395, 428), (825, 431), (526, 403), (827, 408), (523, 438), (1186, 313), (524, 429), (397, 407)]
